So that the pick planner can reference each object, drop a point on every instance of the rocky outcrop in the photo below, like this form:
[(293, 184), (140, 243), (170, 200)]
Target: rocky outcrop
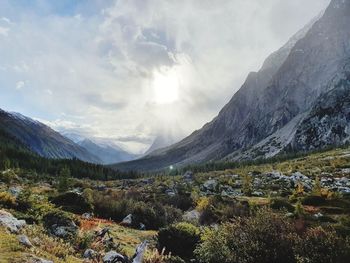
[(10, 222), (328, 123)]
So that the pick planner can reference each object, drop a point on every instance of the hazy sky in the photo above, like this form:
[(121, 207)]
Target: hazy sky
[(129, 69)]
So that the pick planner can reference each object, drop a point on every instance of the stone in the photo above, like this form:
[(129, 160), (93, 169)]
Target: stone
[(139, 253), (87, 216), (192, 215), (257, 193), (210, 185), (112, 257), (59, 225), (90, 254), (188, 176), (15, 190), (142, 226), (40, 260), (170, 192), (24, 240), (127, 220), (10, 222), (318, 215)]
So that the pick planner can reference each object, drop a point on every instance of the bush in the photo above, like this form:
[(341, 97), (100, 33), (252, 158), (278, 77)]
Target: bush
[(314, 200), (180, 239), (25, 200), (280, 203), (264, 238), (7, 200), (72, 202), (321, 246)]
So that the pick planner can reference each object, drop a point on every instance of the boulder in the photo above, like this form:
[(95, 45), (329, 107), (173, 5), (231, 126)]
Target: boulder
[(188, 176), (170, 192), (10, 222), (127, 220), (60, 225), (39, 260), (192, 215), (140, 251), (15, 190), (90, 254), (24, 240), (87, 216), (210, 185), (113, 257)]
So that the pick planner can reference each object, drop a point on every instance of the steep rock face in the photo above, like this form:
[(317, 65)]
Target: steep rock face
[(41, 139), (274, 99), (328, 123)]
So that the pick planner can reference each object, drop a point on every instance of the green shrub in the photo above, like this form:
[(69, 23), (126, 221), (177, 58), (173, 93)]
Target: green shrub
[(180, 239), (263, 238), (280, 203), (84, 240), (321, 246), (174, 259), (314, 200), (25, 200), (7, 200), (72, 202)]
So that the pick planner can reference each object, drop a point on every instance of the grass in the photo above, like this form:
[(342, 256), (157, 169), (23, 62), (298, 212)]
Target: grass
[(11, 251)]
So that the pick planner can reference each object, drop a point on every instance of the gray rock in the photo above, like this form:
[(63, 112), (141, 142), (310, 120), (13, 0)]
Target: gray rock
[(192, 215), (87, 215), (257, 193), (10, 222), (15, 190), (210, 185), (188, 176), (112, 257), (140, 251), (127, 220), (24, 240), (170, 192), (40, 260), (90, 254)]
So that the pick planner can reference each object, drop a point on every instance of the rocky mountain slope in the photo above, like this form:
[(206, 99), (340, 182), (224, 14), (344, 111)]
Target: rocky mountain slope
[(41, 139), (106, 153), (271, 111)]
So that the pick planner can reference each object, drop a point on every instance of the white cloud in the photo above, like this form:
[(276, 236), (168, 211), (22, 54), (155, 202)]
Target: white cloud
[(98, 69), (4, 31), (20, 85)]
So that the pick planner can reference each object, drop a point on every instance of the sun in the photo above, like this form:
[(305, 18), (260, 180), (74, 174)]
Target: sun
[(166, 86)]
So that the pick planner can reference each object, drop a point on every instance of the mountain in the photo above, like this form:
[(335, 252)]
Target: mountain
[(41, 139), (281, 107), (106, 153)]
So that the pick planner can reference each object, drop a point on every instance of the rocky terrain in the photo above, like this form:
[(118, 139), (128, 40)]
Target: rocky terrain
[(59, 219)]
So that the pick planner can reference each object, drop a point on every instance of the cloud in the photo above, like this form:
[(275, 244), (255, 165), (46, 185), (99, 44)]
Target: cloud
[(91, 64), (20, 85), (4, 31)]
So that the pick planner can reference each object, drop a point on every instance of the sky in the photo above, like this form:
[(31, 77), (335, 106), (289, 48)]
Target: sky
[(129, 70)]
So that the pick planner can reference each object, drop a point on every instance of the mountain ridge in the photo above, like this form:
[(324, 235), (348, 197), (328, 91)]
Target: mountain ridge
[(284, 89), (41, 139)]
